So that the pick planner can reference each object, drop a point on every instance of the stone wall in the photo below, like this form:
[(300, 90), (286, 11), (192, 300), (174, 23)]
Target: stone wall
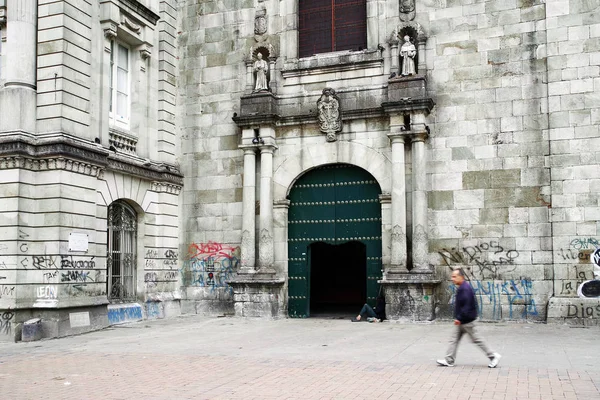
[(573, 51)]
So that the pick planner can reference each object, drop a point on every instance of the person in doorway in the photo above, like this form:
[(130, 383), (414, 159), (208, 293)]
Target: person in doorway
[(376, 314), (465, 314)]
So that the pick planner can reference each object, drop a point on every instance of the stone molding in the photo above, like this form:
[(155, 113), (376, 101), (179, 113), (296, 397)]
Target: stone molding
[(80, 158), (49, 164), (333, 62), (162, 187)]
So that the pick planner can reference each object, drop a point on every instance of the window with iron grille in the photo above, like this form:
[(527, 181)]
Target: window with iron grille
[(121, 257), (331, 25)]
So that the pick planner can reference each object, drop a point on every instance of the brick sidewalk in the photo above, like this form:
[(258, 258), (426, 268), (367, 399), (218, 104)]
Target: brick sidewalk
[(136, 364)]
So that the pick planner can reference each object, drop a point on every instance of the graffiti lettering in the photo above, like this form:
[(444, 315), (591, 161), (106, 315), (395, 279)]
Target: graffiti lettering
[(43, 262), (7, 291), (5, 324), (584, 243), (151, 253), (211, 265), (582, 311), (46, 292), (576, 255), (487, 256), (75, 276), (67, 262), (151, 278), (49, 275), (491, 295)]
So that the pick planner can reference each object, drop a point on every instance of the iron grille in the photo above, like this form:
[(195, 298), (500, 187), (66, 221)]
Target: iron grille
[(332, 25), (121, 257)]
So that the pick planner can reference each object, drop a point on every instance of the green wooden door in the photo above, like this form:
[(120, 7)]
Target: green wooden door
[(334, 204)]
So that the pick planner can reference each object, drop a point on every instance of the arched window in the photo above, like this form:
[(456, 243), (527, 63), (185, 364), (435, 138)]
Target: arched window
[(121, 257), (331, 25)]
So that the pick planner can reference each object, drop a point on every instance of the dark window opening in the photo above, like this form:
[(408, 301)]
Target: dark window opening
[(332, 25)]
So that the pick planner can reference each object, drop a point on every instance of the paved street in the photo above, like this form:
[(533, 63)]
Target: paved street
[(193, 357)]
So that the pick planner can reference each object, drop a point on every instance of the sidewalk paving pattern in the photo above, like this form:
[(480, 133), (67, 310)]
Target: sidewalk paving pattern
[(195, 357)]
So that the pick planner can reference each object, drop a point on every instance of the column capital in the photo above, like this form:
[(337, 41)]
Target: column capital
[(419, 136), (398, 136), (248, 148), (385, 198), (267, 148), (283, 203)]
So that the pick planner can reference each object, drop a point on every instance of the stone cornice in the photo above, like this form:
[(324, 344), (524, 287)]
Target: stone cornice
[(408, 105), (20, 151), (137, 8)]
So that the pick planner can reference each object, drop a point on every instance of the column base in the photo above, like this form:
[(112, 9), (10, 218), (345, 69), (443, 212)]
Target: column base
[(258, 294), (409, 296)]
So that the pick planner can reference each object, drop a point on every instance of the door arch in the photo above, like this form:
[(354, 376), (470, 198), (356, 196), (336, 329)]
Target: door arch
[(335, 205)]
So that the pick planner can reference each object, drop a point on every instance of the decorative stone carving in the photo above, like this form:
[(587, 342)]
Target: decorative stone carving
[(122, 141), (145, 52), (162, 187), (407, 10), (329, 114), (408, 51), (260, 22), (261, 69), (265, 248), (398, 247), (49, 164), (420, 247), (247, 246), (131, 25), (110, 31)]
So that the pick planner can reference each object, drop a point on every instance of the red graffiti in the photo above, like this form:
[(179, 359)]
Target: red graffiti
[(210, 249)]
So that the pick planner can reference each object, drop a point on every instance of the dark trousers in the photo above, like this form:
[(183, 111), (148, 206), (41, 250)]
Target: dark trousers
[(368, 311)]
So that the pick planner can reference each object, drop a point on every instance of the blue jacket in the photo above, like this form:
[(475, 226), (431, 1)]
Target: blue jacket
[(465, 304)]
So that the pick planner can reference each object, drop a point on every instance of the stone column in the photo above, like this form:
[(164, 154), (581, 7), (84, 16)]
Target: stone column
[(19, 95), (419, 203), (265, 244), (272, 81), (248, 246), (395, 60), (249, 77), (399, 254)]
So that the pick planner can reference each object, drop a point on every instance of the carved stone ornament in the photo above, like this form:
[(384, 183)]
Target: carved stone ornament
[(131, 25), (398, 246), (420, 247), (110, 31), (260, 22), (329, 114), (407, 10), (247, 246), (265, 249)]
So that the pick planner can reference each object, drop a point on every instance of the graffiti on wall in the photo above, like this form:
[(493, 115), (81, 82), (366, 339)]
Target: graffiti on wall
[(492, 295), (484, 258), (5, 322), (211, 264)]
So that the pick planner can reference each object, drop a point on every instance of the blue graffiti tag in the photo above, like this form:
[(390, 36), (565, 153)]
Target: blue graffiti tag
[(492, 293)]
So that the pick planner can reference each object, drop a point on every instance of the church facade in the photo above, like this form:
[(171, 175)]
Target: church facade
[(297, 158)]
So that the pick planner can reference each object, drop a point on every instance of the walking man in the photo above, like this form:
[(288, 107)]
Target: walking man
[(465, 314)]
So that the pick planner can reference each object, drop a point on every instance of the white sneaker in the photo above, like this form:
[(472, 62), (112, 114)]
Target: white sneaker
[(445, 363), (494, 362)]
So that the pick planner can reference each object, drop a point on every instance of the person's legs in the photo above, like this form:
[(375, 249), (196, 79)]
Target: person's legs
[(471, 330), (367, 311), (453, 347)]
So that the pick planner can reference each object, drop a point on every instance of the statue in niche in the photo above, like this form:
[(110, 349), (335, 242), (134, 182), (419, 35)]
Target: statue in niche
[(261, 69), (407, 10), (330, 116), (408, 51)]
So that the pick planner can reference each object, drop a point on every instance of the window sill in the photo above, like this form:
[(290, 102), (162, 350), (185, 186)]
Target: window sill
[(332, 62)]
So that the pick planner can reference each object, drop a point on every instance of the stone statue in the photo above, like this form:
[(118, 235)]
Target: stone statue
[(330, 116), (261, 68), (408, 51)]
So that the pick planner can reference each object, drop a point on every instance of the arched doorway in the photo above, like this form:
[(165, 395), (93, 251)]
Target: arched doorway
[(334, 240), (121, 258)]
